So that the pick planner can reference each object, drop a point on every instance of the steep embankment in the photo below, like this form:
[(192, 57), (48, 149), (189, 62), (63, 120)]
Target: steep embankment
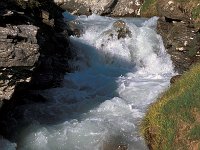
[(173, 121), (34, 47), (179, 26)]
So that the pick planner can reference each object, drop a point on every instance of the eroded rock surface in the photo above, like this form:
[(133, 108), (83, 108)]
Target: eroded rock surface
[(181, 42), (34, 46), (179, 29), (102, 7)]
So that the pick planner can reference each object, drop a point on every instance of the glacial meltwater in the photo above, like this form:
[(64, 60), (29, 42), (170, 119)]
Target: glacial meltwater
[(115, 77)]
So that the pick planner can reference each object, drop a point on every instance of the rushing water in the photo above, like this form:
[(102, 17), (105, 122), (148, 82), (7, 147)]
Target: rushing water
[(101, 104)]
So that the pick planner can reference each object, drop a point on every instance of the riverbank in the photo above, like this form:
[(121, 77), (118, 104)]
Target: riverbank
[(173, 121), (34, 50)]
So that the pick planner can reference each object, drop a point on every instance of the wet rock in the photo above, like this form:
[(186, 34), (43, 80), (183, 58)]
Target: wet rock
[(122, 30), (181, 42), (175, 78), (102, 7), (119, 29), (74, 28)]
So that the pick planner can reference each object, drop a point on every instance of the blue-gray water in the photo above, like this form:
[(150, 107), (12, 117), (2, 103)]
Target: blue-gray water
[(103, 101)]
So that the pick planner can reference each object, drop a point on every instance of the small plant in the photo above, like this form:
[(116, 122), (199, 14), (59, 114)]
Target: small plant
[(194, 133)]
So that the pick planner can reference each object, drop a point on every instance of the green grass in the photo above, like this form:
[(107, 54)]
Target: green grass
[(194, 133), (196, 12), (173, 122), (149, 9)]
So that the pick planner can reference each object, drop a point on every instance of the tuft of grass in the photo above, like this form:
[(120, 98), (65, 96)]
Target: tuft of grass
[(149, 8), (173, 122), (194, 133), (196, 12)]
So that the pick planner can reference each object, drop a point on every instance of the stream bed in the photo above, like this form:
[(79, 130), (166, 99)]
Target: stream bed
[(101, 103)]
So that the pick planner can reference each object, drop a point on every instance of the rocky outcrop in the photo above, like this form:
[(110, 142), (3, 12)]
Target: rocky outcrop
[(33, 46), (179, 27), (181, 42), (34, 49), (18, 48), (119, 30), (102, 7)]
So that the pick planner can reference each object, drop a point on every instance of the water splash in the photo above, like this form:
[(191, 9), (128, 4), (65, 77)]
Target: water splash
[(103, 101)]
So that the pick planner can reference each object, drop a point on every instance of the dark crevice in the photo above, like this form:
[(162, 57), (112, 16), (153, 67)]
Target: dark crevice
[(170, 20)]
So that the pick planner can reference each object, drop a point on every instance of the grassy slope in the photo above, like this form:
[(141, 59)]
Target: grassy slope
[(173, 122), (149, 8)]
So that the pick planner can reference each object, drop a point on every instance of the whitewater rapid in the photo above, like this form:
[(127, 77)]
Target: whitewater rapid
[(102, 102)]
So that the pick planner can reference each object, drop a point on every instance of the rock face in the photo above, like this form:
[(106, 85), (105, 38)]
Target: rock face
[(33, 46), (181, 42), (18, 48), (102, 7), (179, 27), (119, 30)]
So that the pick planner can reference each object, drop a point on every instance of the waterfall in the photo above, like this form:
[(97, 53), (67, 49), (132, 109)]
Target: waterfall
[(102, 102)]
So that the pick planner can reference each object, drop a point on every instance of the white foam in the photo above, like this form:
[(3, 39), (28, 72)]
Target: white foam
[(101, 104), (7, 145)]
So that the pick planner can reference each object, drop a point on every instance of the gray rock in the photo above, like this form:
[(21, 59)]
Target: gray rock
[(18, 48), (119, 29), (33, 47), (102, 7)]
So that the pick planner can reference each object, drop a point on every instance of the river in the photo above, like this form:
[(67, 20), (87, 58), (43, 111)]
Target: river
[(103, 100)]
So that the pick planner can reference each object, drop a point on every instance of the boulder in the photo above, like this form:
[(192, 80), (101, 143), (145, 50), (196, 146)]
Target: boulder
[(172, 9), (175, 79), (181, 42), (102, 7), (119, 29), (127, 8)]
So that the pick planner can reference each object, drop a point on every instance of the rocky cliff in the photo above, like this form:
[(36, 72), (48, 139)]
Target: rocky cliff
[(34, 46)]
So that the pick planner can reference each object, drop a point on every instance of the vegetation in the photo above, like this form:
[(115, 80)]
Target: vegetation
[(173, 122), (149, 8)]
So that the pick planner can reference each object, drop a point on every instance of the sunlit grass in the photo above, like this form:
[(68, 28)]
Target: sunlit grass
[(173, 122), (149, 8)]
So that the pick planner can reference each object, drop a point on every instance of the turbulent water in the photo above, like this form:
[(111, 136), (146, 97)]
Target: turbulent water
[(101, 104)]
